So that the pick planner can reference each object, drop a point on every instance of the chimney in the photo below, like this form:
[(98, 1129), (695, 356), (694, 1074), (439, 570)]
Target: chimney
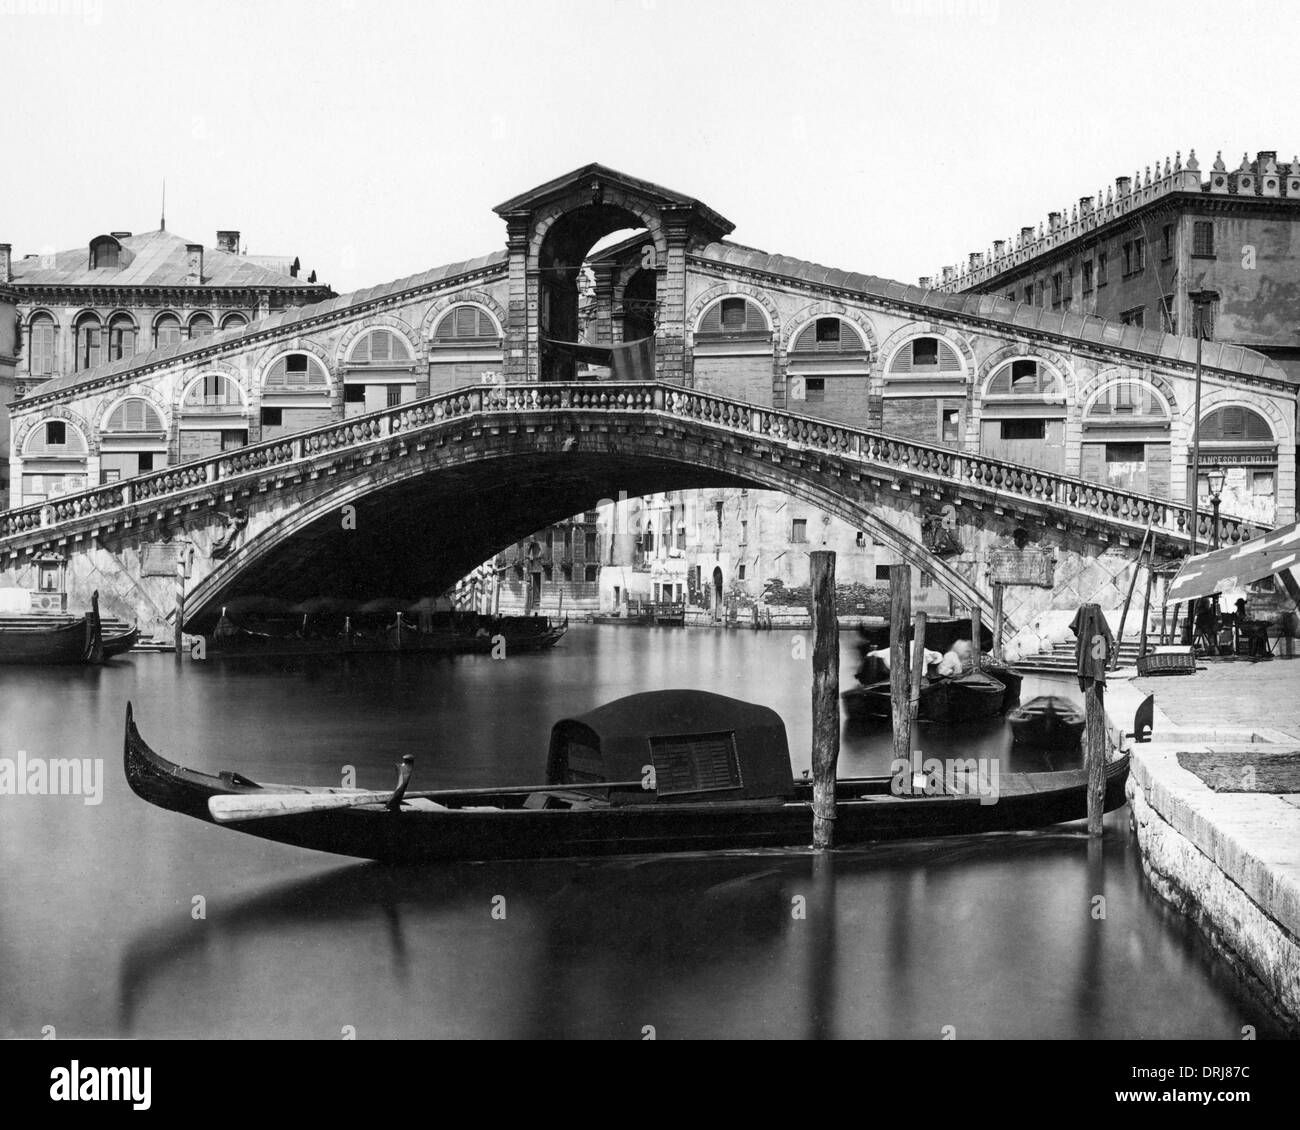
[(1085, 206), (228, 241), (6, 262), (924, 281), (194, 264), (1053, 221), (999, 246), (1026, 235), (976, 260), (1263, 157), (1122, 185), (295, 267), (948, 273)]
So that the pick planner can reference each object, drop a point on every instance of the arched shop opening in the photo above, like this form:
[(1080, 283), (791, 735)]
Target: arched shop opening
[(132, 441), (1239, 441)]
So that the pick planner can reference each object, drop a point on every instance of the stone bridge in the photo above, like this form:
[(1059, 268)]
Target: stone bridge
[(406, 500)]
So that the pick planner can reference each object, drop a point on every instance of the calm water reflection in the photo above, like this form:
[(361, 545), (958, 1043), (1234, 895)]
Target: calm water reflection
[(98, 935)]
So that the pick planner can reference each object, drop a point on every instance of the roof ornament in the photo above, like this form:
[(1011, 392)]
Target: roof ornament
[(162, 220), (1178, 160), (1245, 163), (1219, 166), (597, 193), (1193, 165), (1167, 164)]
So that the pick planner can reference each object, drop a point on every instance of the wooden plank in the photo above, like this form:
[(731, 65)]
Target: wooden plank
[(825, 696)]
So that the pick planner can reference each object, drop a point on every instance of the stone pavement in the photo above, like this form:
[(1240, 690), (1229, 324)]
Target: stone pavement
[(1229, 860), (1231, 693)]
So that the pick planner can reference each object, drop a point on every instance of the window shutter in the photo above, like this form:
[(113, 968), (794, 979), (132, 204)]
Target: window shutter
[(466, 322), (712, 322)]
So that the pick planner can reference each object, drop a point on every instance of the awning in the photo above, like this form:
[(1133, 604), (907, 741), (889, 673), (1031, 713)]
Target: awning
[(631, 361), (1226, 570)]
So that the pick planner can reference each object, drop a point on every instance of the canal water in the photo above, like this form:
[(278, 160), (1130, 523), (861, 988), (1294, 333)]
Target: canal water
[(118, 919)]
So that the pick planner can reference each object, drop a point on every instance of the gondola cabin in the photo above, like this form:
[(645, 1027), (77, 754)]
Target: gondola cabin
[(704, 748)]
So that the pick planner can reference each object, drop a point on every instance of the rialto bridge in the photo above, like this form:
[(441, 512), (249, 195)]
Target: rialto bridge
[(387, 441)]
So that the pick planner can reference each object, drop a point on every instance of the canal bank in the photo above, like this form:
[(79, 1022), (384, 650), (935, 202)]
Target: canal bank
[(1215, 800)]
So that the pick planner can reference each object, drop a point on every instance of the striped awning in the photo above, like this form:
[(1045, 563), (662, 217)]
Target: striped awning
[(1227, 570)]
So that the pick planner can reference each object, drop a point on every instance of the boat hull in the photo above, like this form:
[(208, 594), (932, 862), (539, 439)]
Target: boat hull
[(867, 811), (1048, 722), (79, 642)]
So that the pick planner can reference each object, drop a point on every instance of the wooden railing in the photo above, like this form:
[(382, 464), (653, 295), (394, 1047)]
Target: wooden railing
[(906, 457)]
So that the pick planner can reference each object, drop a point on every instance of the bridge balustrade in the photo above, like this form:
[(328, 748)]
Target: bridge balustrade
[(674, 401)]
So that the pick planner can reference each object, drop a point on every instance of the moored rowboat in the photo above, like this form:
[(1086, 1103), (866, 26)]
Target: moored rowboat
[(82, 641), (1047, 722), (721, 781)]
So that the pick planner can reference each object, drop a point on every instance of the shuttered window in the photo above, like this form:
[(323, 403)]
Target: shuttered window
[(462, 322), (200, 326), (42, 338), (89, 333), (134, 415), (1236, 424), (55, 437), (695, 763), (926, 355), (298, 371), (381, 347), (1130, 397), (213, 391), (233, 321), (121, 338), (733, 316), (167, 331), (828, 335), (1024, 377)]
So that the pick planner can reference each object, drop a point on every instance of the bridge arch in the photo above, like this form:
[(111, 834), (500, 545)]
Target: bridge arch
[(525, 479)]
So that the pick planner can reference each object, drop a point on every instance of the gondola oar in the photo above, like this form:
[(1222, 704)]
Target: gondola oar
[(231, 807)]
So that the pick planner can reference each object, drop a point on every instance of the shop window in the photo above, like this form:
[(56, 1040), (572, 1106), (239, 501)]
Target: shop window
[(1125, 453), (393, 395), (815, 390), (272, 417), (949, 425), (1023, 429), (354, 394)]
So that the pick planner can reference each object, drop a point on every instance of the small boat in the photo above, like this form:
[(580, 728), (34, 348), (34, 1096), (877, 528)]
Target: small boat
[(971, 696), (82, 641), (1010, 679), (940, 635), (121, 642), (664, 771), (1047, 722)]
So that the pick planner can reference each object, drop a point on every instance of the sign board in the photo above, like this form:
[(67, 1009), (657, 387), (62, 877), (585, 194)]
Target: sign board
[(160, 558), (1021, 567)]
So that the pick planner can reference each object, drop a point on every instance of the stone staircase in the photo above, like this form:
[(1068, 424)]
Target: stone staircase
[(1061, 658)]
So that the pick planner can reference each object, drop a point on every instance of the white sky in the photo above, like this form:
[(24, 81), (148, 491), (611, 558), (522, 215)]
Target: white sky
[(373, 138)]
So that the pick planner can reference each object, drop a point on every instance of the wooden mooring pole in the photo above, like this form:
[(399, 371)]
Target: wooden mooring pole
[(914, 699), (900, 615), (1094, 708), (977, 636), (997, 625), (825, 696)]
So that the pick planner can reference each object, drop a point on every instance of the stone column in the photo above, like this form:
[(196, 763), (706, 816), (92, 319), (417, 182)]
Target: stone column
[(601, 330), (670, 293)]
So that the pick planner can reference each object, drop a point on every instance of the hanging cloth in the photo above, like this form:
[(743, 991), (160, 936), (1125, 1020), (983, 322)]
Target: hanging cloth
[(1090, 629)]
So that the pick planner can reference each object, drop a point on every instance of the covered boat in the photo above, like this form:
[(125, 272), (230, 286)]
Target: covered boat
[(82, 641), (1047, 722), (666, 771), (971, 696)]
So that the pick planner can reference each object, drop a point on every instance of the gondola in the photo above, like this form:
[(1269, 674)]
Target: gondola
[(971, 696), (1047, 722), (82, 641), (121, 642), (721, 780)]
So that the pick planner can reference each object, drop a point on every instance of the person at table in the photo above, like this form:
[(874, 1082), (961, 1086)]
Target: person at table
[(1254, 630)]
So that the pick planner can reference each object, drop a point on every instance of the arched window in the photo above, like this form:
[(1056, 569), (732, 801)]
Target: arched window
[(167, 331), (927, 356), (828, 335), (384, 348), (54, 438), (732, 316), (1025, 378), (213, 391), (134, 416), (89, 344), (466, 323), (233, 321), (200, 326), (42, 338), (297, 372), (1235, 425), (1127, 399), (121, 337)]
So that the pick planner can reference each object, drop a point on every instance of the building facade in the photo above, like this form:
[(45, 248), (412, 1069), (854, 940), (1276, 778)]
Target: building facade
[(122, 295), (8, 368), (1171, 250)]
